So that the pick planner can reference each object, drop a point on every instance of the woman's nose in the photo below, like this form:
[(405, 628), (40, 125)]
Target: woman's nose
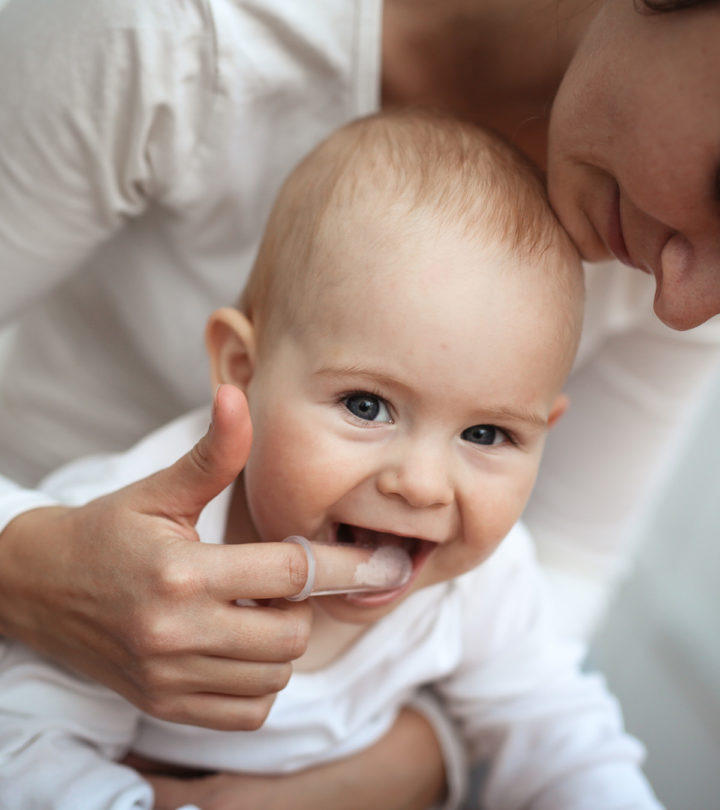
[(688, 282), (419, 476)]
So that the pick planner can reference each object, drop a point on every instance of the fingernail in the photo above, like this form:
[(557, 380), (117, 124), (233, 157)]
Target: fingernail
[(214, 404)]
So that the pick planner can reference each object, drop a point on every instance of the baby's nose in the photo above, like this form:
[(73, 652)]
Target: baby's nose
[(419, 477)]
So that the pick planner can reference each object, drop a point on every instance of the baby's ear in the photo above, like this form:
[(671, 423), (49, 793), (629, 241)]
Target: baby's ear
[(230, 343), (560, 405)]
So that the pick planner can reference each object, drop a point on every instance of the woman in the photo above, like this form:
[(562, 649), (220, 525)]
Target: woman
[(140, 146)]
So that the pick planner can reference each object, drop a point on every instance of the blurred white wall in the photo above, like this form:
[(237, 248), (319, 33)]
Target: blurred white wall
[(660, 646), (5, 333)]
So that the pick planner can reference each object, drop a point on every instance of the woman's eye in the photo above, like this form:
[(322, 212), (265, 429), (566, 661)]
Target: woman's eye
[(367, 407), (484, 434)]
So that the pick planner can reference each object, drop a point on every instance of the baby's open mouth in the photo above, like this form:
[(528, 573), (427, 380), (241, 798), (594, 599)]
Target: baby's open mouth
[(394, 563), (369, 538)]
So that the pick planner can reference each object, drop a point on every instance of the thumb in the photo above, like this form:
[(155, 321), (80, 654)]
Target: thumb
[(184, 489)]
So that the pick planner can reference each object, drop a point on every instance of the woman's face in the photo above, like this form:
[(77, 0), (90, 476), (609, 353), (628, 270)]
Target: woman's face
[(634, 155)]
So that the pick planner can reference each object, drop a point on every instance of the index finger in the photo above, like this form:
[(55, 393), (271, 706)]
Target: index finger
[(280, 570), (251, 570)]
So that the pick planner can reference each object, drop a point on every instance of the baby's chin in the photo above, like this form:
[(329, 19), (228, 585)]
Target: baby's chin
[(360, 609)]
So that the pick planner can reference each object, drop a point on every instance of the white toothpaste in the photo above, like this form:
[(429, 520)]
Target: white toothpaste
[(388, 566)]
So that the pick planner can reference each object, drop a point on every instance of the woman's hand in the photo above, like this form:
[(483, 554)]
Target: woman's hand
[(402, 771), (121, 590)]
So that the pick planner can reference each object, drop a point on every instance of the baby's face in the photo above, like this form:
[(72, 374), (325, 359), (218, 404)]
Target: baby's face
[(409, 408)]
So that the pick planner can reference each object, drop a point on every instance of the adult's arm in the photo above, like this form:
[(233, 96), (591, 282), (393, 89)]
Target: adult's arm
[(402, 771), (633, 395), (61, 736)]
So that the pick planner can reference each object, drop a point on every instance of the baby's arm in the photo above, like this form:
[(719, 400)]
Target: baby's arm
[(59, 735), (552, 736)]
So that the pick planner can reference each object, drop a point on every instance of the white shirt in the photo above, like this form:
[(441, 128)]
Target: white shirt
[(141, 147), (141, 144), (553, 736)]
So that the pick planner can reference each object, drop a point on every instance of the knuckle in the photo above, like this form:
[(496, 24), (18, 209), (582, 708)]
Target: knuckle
[(174, 579), (256, 712), (157, 681), (153, 637), (297, 567), (279, 677), (297, 635), (157, 705)]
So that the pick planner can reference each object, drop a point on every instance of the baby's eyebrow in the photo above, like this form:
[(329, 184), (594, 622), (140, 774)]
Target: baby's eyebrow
[(485, 414), (513, 414), (376, 375)]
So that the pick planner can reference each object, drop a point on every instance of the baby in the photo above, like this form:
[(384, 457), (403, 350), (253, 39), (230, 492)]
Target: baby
[(403, 342)]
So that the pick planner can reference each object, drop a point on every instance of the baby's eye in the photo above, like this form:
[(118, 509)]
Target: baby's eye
[(367, 407), (484, 434)]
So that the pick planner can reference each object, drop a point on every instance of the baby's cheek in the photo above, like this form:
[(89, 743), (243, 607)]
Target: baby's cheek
[(272, 486), (284, 481), (493, 516)]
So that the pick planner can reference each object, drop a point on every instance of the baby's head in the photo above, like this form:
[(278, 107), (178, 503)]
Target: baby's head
[(403, 342), (390, 178)]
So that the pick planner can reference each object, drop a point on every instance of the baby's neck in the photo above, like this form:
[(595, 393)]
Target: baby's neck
[(329, 639)]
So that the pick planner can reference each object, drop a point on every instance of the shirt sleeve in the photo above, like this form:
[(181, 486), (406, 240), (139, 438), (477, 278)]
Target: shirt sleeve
[(15, 500), (633, 396), (58, 736), (102, 108), (552, 737)]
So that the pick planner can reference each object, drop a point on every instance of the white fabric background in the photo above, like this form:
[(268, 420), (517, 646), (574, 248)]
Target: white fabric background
[(660, 647)]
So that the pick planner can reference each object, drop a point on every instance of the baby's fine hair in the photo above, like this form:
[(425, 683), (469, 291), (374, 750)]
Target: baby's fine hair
[(409, 165)]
